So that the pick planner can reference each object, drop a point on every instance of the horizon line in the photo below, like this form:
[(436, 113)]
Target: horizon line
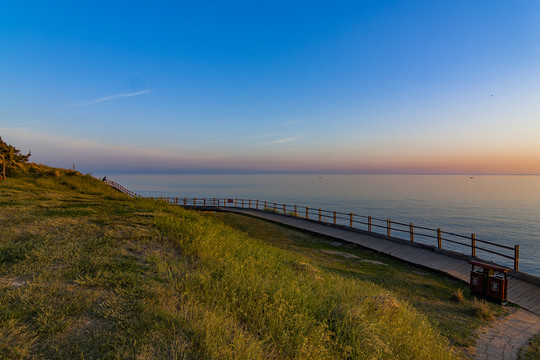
[(277, 172)]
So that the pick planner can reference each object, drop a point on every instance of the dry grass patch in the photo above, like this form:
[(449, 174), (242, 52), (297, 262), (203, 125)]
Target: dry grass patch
[(458, 296), (483, 310)]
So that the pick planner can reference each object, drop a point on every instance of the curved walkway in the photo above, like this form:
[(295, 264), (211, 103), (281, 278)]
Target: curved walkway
[(505, 336)]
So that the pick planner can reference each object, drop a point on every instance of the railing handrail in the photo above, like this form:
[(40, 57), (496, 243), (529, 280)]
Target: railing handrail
[(320, 215), (323, 215), (120, 188)]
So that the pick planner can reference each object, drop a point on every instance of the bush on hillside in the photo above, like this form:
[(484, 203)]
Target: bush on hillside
[(12, 157)]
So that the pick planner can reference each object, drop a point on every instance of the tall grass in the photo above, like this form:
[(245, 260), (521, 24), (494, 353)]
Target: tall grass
[(290, 308), (86, 272)]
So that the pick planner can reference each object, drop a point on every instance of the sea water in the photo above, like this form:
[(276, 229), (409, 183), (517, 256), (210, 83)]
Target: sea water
[(501, 209)]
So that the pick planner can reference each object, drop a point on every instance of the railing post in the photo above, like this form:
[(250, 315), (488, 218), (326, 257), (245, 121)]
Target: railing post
[(388, 227), (411, 231), (274, 207), (319, 214), (439, 238), (335, 217), (185, 202), (204, 203), (218, 202), (176, 201), (257, 204), (249, 204), (235, 202), (284, 209), (265, 207), (295, 210), (369, 223), (194, 202), (351, 220), (473, 245), (516, 257), (307, 212)]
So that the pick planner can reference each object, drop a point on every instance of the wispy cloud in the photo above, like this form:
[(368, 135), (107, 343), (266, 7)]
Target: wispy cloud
[(286, 123), (108, 98), (236, 140), (283, 140)]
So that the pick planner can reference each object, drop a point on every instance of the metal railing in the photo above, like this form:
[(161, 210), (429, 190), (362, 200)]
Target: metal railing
[(120, 188)]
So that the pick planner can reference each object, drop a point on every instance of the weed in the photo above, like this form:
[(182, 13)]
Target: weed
[(458, 296), (482, 309)]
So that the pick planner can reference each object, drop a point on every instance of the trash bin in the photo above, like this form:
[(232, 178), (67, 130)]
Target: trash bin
[(489, 281), (477, 282), (497, 288)]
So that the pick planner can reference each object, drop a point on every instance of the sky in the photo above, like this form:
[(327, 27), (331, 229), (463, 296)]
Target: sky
[(397, 87)]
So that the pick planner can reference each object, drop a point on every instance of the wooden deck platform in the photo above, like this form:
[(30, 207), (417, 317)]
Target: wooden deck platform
[(521, 292)]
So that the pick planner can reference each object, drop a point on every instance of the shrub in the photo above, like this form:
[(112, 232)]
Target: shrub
[(11, 156)]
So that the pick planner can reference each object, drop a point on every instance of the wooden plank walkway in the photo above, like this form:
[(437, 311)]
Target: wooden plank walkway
[(523, 293)]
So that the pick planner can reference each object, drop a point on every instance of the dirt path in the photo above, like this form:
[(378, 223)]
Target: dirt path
[(502, 340)]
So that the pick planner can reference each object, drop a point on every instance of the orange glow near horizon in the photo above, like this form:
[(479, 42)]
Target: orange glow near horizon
[(494, 163), (91, 156)]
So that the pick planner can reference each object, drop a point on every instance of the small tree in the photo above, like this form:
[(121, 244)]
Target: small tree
[(11, 155)]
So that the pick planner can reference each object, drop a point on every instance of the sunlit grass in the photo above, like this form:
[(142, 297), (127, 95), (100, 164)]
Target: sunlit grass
[(86, 272), (448, 307)]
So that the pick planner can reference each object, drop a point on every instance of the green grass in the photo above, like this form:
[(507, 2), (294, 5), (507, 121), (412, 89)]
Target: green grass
[(86, 272), (446, 302)]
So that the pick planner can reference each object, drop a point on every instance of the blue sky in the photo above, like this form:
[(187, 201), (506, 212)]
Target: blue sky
[(352, 86)]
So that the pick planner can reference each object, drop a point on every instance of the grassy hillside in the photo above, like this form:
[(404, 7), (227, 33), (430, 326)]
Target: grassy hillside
[(445, 301), (86, 272)]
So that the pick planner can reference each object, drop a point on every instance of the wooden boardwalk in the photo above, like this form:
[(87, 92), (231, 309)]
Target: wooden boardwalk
[(523, 293)]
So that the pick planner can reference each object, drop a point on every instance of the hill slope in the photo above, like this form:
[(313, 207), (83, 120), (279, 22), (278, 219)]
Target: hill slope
[(86, 272)]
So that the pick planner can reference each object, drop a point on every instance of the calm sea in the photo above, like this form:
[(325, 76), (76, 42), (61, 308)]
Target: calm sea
[(502, 209)]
